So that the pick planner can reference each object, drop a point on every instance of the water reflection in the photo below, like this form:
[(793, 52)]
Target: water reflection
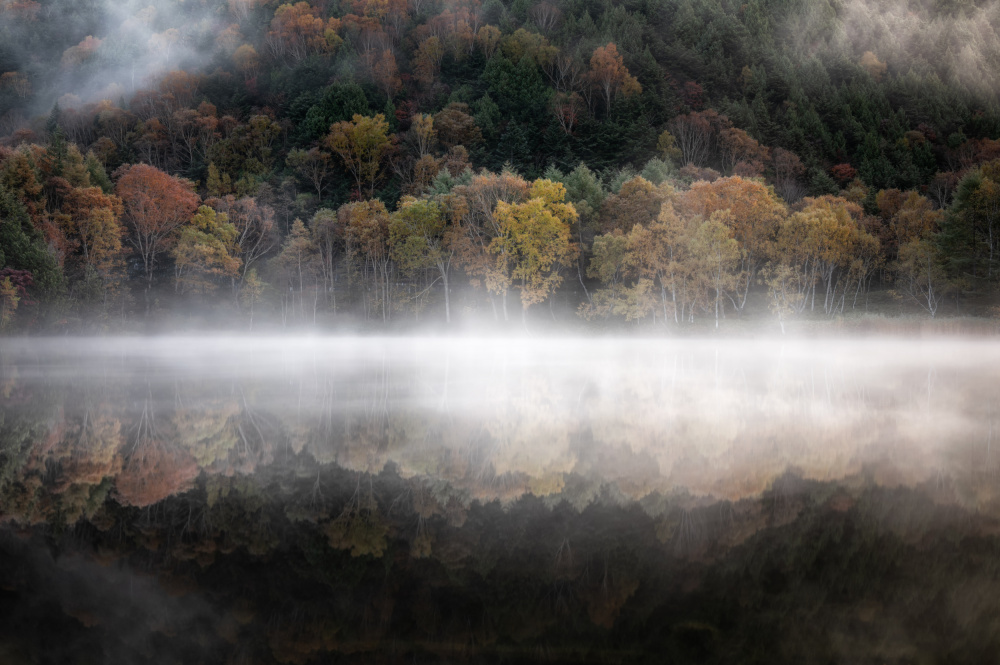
[(296, 501)]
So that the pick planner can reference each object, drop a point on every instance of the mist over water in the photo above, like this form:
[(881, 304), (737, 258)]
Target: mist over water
[(436, 499), (580, 496), (716, 418)]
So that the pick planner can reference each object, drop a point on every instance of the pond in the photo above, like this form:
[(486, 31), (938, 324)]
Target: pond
[(448, 499)]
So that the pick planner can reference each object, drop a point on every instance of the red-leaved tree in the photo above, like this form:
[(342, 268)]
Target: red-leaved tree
[(156, 204)]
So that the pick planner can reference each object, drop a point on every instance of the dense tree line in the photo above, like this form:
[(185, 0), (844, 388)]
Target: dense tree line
[(391, 161)]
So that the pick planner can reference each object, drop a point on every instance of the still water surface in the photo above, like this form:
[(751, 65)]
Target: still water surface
[(316, 500)]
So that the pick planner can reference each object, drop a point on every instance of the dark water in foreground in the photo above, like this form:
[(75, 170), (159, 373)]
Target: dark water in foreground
[(425, 501)]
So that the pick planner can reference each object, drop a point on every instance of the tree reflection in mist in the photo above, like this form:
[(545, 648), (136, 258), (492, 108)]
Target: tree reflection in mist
[(483, 495)]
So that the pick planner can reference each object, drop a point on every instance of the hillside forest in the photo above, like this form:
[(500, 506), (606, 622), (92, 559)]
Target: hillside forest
[(382, 164)]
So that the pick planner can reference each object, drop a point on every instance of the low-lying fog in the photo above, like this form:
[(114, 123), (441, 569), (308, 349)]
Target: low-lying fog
[(498, 417)]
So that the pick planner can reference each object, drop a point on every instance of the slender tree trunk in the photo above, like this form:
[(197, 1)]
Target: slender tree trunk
[(673, 294), (302, 311), (746, 291), (579, 275), (447, 297), (718, 297), (385, 291), (443, 267), (827, 305)]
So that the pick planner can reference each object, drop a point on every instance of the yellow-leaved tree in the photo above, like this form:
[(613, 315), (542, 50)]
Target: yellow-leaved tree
[(362, 144), (473, 207), (820, 245), (206, 252), (534, 240), (718, 255), (660, 252), (420, 239)]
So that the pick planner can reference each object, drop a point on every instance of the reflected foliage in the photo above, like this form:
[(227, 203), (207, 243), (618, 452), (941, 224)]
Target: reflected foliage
[(360, 502)]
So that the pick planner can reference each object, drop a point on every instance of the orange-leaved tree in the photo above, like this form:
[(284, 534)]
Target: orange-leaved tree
[(756, 216), (386, 74), (637, 202), (297, 32), (820, 245), (610, 76), (156, 205), (95, 220), (367, 224)]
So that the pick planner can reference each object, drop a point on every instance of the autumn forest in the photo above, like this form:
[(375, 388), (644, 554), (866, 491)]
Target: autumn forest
[(385, 164), (499, 331)]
